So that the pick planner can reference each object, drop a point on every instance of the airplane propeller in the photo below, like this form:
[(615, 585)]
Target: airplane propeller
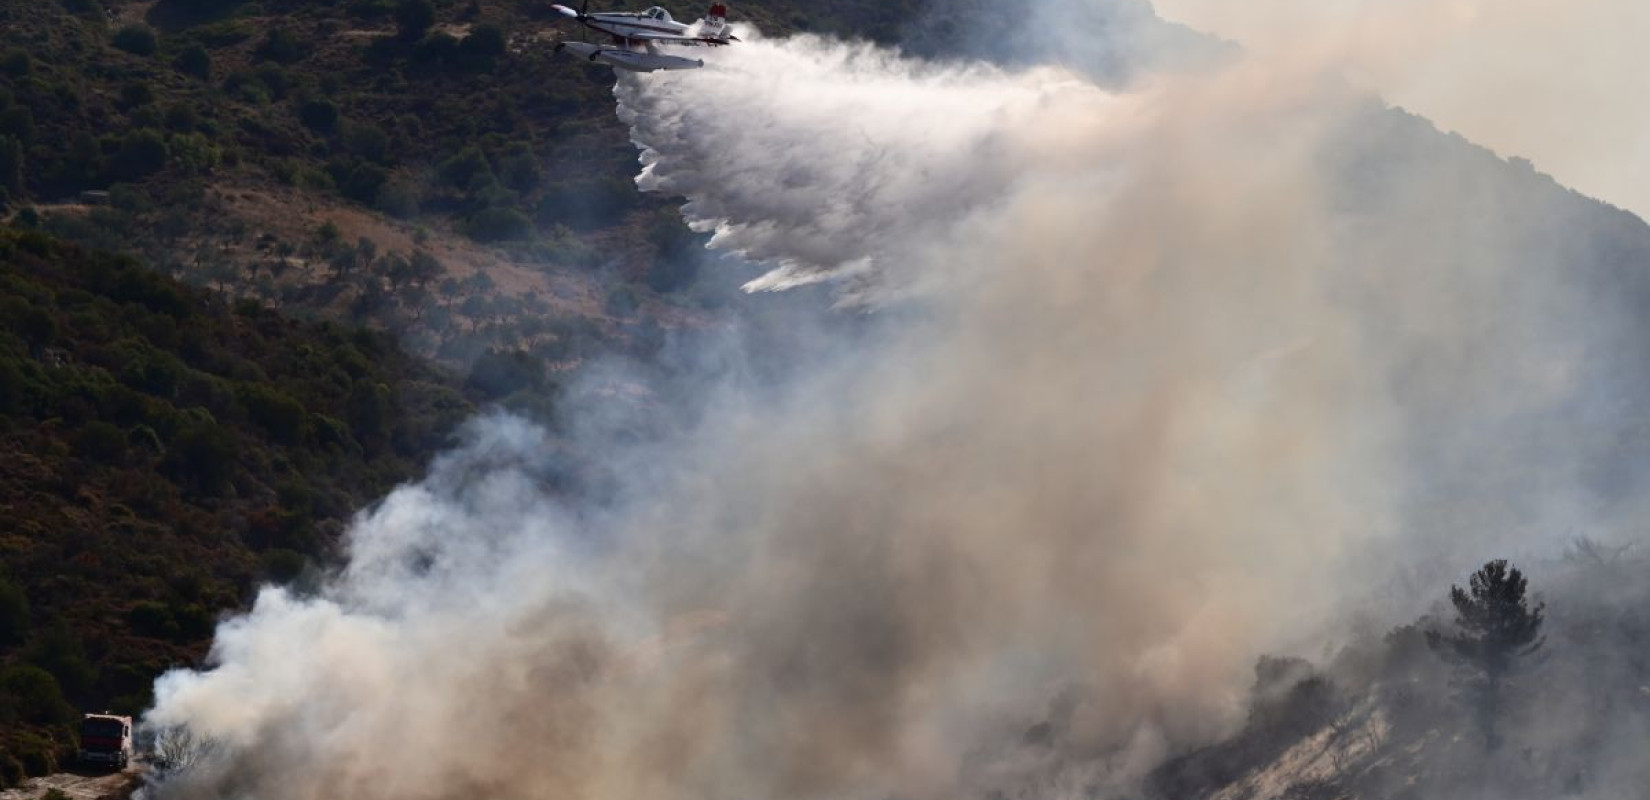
[(584, 8)]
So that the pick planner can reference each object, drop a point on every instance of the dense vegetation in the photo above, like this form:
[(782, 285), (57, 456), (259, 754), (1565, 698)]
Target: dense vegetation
[(454, 108), (163, 449), (151, 127), (161, 452)]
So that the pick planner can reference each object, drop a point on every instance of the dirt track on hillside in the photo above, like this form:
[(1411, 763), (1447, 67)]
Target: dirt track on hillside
[(81, 785)]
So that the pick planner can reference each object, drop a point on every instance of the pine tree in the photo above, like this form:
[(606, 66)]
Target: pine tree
[(1495, 627)]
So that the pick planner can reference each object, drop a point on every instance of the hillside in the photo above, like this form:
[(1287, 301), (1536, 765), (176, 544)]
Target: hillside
[(363, 160), (1388, 717), (259, 258), (161, 452), (338, 181)]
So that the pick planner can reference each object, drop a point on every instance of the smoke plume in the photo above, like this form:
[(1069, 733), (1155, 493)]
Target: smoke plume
[(1159, 377)]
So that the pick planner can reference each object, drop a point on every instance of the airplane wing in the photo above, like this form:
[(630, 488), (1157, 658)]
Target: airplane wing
[(684, 41)]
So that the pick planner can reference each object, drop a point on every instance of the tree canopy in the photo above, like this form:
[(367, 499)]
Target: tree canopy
[(1495, 626), (1495, 622)]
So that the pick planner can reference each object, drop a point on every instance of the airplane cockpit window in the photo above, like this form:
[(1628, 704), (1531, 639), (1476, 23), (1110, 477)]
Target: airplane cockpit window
[(657, 13)]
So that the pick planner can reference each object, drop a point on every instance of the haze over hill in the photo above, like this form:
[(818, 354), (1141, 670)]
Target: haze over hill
[(1171, 364), (1113, 408), (1546, 81)]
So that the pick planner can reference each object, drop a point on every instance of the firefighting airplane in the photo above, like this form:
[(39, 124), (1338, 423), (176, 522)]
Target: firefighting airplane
[(638, 34)]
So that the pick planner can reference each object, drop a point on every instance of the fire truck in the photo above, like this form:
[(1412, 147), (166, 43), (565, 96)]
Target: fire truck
[(106, 739)]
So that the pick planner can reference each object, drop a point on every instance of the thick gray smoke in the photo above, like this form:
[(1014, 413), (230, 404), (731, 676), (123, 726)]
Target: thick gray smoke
[(1179, 373)]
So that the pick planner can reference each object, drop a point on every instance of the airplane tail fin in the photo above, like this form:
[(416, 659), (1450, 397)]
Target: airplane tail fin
[(715, 23)]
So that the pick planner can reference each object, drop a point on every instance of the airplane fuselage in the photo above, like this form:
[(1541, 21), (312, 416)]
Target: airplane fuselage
[(634, 26)]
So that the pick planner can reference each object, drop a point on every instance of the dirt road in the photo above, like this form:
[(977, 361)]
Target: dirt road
[(80, 785)]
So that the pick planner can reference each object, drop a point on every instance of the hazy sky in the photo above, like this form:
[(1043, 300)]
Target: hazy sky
[(1563, 84)]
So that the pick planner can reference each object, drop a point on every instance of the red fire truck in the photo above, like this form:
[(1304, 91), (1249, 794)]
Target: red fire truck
[(106, 739)]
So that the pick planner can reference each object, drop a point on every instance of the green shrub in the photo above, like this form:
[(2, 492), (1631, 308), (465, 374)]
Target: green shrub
[(499, 225), (194, 61), (465, 169), (11, 771), (181, 117), (398, 199), (195, 153), (435, 49), (486, 40), (413, 18), (85, 157), (142, 153), (126, 197), (146, 439), (371, 9), (194, 622), (274, 79), (498, 374), (32, 695), (152, 619), (489, 193), (278, 413), (14, 613), (315, 180), (90, 9), (320, 116), (283, 566), (149, 370), (16, 62), (331, 432), (205, 9), (18, 123), (59, 651), (136, 93), (358, 180), (225, 33), (11, 164), (368, 409), (519, 169), (281, 46), (98, 441), (588, 204), (36, 325), (13, 397), (247, 87), (677, 247), (37, 754), (137, 39), (203, 453), (367, 141)]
